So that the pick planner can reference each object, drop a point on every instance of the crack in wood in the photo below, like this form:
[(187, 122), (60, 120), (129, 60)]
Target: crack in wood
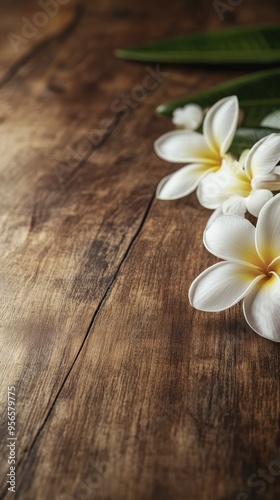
[(20, 63), (89, 153), (90, 328)]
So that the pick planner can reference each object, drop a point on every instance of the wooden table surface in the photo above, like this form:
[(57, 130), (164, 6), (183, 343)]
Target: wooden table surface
[(123, 391)]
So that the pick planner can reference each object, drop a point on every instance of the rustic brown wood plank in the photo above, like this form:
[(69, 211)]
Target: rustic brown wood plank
[(171, 396), (123, 391), (25, 28), (42, 223)]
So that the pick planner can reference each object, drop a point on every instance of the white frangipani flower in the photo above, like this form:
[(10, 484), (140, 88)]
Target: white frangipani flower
[(205, 152), (189, 117), (246, 185), (250, 271)]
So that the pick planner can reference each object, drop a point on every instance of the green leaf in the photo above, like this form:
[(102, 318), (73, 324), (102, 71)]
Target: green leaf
[(246, 137), (258, 95), (247, 44)]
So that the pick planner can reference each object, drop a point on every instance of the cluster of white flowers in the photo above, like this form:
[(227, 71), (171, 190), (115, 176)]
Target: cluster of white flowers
[(232, 187)]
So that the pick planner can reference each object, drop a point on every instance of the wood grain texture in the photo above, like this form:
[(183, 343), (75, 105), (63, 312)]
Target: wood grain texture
[(123, 390)]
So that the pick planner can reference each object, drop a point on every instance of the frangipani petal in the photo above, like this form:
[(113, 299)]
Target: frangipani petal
[(235, 205), (268, 230), (220, 124), (262, 308), (276, 170), (263, 156), (242, 158), (274, 266), (212, 189), (270, 181), (221, 286), (227, 182), (217, 213), (184, 146), (257, 199), (233, 238), (183, 182), (190, 116)]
